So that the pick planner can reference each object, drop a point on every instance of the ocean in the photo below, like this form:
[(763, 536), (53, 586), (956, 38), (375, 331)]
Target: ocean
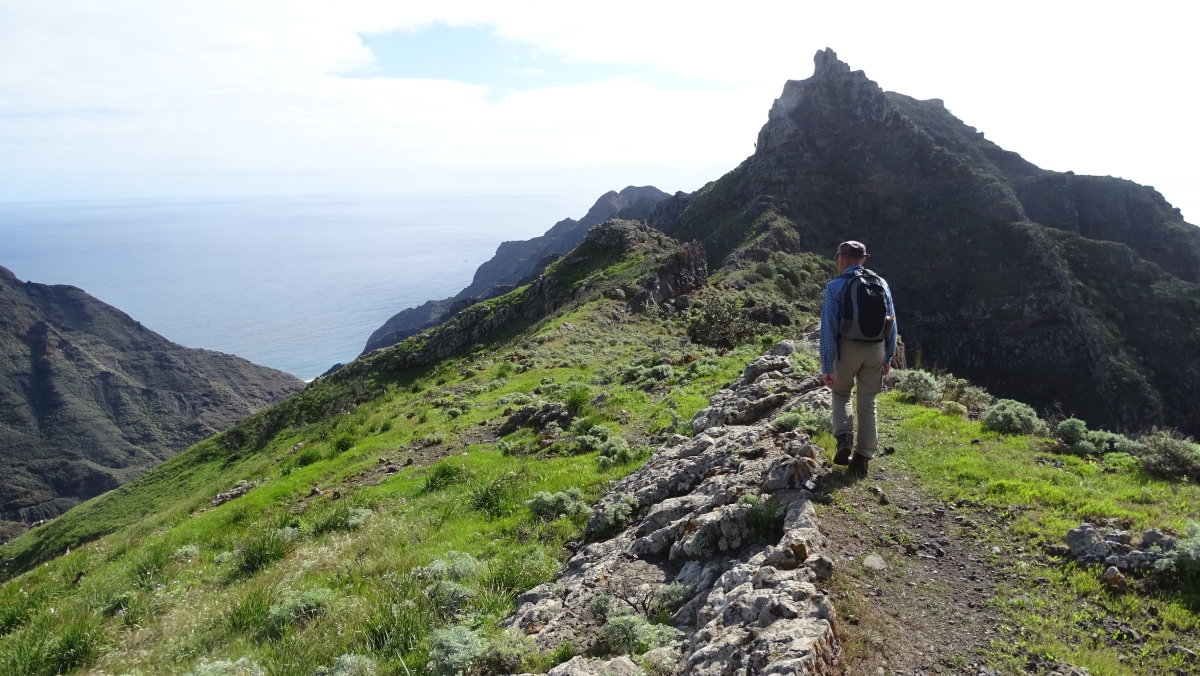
[(297, 284)]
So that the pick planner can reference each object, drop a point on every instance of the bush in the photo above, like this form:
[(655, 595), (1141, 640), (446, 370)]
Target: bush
[(919, 385), (186, 553), (616, 516), (495, 497), (634, 634), (444, 473), (305, 458), (661, 372), (267, 547), (601, 607), (577, 399), (454, 412), (341, 518), (243, 667), (453, 650), (455, 566), (1184, 560), (670, 596), (432, 439), (298, 609), (1167, 455), (764, 520), (1012, 417), (614, 452), (549, 506), (719, 322), (786, 422), (506, 652), (515, 399), (954, 408), (352, 664), (344, 443), (1072, 431)]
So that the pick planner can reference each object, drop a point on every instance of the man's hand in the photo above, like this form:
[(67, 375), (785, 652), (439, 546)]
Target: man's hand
[(886, 367), (827, 378)]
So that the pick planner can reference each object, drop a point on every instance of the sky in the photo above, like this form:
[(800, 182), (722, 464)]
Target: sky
[(132, 99)]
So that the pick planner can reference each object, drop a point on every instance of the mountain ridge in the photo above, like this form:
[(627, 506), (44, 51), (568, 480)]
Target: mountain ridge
[(517, 262), (90, 398)]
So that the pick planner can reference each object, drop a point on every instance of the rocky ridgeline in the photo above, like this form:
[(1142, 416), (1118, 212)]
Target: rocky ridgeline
[(1117, 550), (726, 518)]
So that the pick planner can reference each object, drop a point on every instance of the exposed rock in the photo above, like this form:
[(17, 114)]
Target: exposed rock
[(752, 604), (536, 416), (840, 158), (685, 271), (874, 562)]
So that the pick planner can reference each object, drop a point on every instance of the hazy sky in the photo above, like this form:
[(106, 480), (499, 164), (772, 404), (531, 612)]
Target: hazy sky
[(163, 99)]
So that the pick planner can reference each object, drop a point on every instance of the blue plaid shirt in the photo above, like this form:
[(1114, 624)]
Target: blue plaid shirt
[(831, 319)]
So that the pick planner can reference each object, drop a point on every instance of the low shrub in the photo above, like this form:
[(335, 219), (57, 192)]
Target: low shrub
[(496, 497), (919, 385), (1072, 430), (353, 664), (633, 634), (1184, 560), (954, 408), (549, 506), (186, 553), (616, 516), (661, 372), (670, 596), (265, 548), (455, 566), (242, 667), (453, 650), (577, 399), (1012, 417), (298, 609), (602, 606), (454, 412), (506, 652), (764, 519), (340, 518), (786, 422), (1167, 455), (431, 439), (343, 443), (444, 473), (614, 452), (306, 457)]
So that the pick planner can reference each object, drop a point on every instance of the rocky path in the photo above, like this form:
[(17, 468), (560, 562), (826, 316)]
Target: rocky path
[(912, 578)]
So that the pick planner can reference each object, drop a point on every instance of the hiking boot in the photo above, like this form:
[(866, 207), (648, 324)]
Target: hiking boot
[(858, 466), (845, 442)]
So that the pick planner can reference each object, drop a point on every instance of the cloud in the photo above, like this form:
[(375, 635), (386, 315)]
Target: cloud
[(143, 98)]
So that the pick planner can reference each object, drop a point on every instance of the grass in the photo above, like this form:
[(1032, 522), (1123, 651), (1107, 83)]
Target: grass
[(1051, 609), (178, 580)]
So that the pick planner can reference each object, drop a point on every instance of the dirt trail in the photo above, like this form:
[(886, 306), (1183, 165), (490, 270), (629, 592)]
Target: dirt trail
[(924, 611)]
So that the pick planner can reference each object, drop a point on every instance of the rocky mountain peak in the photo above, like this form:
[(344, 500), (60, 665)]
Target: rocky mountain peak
[(809, 111)]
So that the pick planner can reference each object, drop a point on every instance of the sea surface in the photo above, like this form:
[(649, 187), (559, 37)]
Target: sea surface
[(297, 284)]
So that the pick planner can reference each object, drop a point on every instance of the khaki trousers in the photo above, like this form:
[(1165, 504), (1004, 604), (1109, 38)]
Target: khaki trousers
[(862, 362)]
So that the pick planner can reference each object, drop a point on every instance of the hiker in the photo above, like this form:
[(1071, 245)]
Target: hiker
[(858, 339)]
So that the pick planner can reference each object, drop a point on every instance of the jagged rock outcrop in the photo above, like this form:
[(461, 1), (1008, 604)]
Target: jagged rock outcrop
[(999, 269), (516, 263), (729, 516), (685, 271), (91, 399)]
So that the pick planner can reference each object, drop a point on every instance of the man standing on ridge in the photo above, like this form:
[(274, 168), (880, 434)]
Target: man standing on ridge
[(858, 339)]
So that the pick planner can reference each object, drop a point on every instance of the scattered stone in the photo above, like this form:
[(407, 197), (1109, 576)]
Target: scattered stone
[(1177, 649), (1113, 578), (316, 490), (239, 489), (888, 450), (995, 550), (874, 562)]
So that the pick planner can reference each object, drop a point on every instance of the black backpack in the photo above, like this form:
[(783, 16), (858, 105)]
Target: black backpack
[(864, 308)]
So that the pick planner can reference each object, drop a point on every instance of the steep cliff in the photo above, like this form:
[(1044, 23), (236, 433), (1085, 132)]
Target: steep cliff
[(1001, 270), (90, 398), (517, 262)]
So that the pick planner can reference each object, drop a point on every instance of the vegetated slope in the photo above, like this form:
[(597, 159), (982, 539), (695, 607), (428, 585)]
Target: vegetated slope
[(180, 579), (517, 262), (393, 512), (1000, 269), (90, 399)]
